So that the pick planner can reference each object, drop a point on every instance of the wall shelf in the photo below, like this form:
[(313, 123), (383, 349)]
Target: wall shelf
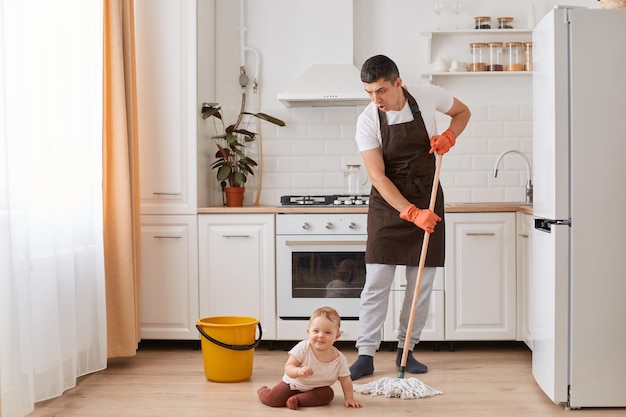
[(451, 44), (476, 32), (430, 75)]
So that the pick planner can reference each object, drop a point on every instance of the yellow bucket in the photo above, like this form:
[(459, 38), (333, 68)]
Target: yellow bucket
[(228, 347)]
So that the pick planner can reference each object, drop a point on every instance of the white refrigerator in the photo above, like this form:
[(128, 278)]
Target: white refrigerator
[(578, 271)]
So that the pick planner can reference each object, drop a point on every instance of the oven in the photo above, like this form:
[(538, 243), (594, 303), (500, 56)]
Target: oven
[(320, 260)]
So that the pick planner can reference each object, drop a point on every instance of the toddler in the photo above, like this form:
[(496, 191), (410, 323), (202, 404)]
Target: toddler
[(312, 367)]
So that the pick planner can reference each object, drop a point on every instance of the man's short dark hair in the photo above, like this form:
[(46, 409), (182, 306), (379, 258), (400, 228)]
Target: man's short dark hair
[(377, 67)]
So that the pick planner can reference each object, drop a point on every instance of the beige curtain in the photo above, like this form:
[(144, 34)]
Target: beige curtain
[(121, 180)]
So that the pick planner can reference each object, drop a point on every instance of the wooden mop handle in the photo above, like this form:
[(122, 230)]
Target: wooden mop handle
[(420, 270)]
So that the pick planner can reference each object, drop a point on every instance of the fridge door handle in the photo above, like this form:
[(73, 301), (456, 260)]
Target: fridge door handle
[(545, 225)]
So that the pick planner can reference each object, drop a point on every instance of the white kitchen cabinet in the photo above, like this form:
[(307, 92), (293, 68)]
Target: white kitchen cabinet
[(480, 276), (524, 242), (434, 327), (165, 35), (236, 265), (169, 277)]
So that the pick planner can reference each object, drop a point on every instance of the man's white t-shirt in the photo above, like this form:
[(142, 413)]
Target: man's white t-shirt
[(430, 99)]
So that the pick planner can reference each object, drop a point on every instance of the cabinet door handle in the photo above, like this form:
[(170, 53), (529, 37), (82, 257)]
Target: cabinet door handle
[(167, 237), (227, 236), (523, 235), (323, 242), (160, 193), (481, 234)]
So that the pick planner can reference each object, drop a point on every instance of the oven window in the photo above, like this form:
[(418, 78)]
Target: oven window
[(327, 274)]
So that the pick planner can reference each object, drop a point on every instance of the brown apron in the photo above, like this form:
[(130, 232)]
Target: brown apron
[(391, 240)]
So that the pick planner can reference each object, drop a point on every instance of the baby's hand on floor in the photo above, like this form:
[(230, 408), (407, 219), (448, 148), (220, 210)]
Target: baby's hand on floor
[(351, 402)]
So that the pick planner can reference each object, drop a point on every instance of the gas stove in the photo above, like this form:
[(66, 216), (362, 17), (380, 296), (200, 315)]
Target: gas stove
[(332, 200)]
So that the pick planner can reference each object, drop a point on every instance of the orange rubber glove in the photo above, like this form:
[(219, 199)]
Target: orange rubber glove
[(424, 219), (442, 143)]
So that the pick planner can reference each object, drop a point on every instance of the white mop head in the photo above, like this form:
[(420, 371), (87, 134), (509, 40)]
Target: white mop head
[(407, 389)]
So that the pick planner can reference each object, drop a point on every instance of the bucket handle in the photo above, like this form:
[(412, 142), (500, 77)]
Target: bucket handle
[(232, 347)]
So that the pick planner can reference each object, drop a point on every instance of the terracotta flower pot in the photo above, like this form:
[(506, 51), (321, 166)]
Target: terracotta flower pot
[(234, 196)]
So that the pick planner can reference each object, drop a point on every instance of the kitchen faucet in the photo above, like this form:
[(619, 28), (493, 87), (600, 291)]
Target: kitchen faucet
[(529, 184)]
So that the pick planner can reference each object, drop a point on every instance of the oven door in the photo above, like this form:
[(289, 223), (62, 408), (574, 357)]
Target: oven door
[(319, 270)]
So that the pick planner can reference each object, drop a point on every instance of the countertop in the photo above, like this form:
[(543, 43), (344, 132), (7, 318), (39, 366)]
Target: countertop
[(450, 208)]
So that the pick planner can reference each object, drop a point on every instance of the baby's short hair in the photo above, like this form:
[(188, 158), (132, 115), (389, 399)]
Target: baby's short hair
[(328, 312)]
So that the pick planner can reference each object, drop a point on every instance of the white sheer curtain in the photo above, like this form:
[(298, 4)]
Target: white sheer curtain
[(52, 310)]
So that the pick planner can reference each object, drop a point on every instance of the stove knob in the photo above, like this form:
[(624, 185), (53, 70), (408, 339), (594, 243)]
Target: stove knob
[(352, 225), (347, 202), (358, 202), (329, 225), (305, 225), (337, 202)]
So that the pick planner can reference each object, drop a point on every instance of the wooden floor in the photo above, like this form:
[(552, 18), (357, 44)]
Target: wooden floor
[(167, 379)]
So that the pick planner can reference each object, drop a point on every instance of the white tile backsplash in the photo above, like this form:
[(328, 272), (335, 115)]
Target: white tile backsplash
[(330, 163), (291, 131), (292, 164), (306, 181), (307, 156), (324, 130), (518, 129), (486, 128), (505, 113)]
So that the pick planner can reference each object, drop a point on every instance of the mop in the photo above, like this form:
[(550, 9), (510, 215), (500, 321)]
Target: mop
[(411, 388)]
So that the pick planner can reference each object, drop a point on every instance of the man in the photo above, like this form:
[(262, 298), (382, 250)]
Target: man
[(396, 135)]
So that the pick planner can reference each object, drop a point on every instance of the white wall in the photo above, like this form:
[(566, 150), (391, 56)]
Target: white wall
[(306, 156)]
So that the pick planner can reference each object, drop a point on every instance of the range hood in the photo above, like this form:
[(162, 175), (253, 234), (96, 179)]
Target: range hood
[(332, 80), (326, 85)]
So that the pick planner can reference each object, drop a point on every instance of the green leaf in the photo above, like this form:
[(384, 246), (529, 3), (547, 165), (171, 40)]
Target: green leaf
[(211, 109), (239, 178), (246, 133), (267, 118), (249, 161), (239, 153), (249, 170), (231, 139), (223, 173)]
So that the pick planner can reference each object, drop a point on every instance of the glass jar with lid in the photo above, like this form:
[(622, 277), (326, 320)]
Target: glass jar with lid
[(505, 23), (528, 56), (494, 56), (482, 22), (514, 56), (477, 50)]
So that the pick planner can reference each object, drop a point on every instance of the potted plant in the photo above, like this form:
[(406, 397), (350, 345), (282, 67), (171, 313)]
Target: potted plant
[(232, 164)]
